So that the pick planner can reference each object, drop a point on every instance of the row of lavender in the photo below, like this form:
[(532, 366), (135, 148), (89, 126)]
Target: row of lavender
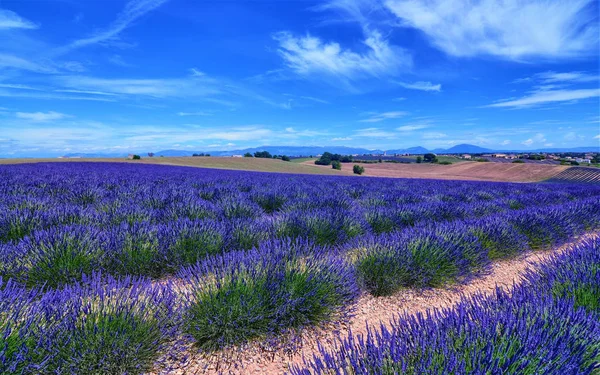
[(550, 324), (306, 271), (60, 221)]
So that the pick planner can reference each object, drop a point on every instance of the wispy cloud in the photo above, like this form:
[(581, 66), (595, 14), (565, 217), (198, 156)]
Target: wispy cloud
[(119, 61), (505, 142), (507, 29), (374, 133), (597, 137), (434, 135), (340, 139), (554, 77), (308, 55), (15, 62), (410, 128), (41, 116), (11, 20), (384, 116), (538, 138), (541, 97), (134, 10), (423, 86), (200, 113)]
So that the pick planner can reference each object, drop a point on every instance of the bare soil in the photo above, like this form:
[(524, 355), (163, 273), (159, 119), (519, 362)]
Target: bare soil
[(255, 359), (506, 172)]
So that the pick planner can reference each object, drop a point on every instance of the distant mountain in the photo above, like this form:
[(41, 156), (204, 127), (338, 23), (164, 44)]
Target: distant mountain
[(316, 150), (410, 150), (466, 149), (277, 150)]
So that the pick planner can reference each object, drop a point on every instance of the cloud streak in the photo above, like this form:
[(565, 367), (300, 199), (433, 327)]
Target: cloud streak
[(541, 97), (421, 85), (41, 116), (508, 29), (385, 116), (11, 20), (134, 10)]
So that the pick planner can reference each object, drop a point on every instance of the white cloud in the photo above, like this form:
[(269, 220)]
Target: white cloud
[(410, 128), (553, 77), (512, 29), (384, 116), (374, 133), (540, 97), (538, 138), (400, 99), (548, 144), (423, 86), (201, 113), (11, 20), (434, 135), (570, 136), (597, 137), (134, 10), (14, 62), (505, 142), (337, 139), (310, 55), (171, 87), (41, 116), (290, 130), (196, 73), (118, 60)]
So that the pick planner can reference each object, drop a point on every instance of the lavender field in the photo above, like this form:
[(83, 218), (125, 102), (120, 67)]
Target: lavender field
[(110, 268)]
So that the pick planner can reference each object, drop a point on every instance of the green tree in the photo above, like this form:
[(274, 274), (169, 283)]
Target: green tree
[(419, 159), (357, 169), (247, 155), (430, 158), (336, 165), (285, 158)]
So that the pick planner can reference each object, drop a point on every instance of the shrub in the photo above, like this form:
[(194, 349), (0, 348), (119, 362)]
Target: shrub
[(357, 169), (136, 157), (506, 333), (56, 256), (101, 326), (445, 162), (518, 161), (324, 226), (247, 155), (267, 292), (336, 165), (419, 159), (136, 252), (387, 263), (573, 276)]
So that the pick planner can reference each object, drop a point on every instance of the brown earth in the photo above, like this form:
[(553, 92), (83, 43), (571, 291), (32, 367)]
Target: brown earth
[(508, 172), (459, 171), (254, 359)]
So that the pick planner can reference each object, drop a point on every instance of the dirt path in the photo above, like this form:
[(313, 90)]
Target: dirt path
[(254, 360), (508, 172)]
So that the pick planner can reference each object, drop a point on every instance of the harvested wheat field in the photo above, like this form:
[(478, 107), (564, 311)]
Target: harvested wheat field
[(460, 171)]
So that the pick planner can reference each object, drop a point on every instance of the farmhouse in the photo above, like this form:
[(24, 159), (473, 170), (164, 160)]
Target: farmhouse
[(466, 156)]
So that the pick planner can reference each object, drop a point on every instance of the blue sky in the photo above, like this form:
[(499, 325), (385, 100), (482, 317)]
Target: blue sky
[(147, 75)]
